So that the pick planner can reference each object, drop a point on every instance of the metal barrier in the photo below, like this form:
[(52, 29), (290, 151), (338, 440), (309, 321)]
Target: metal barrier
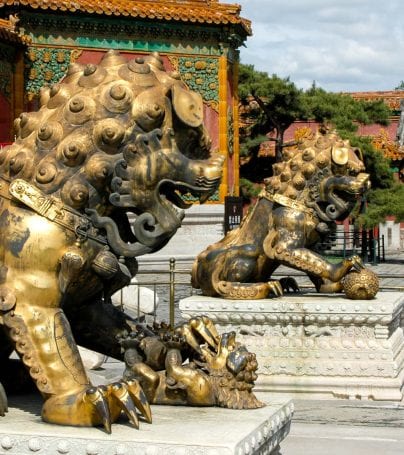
[(363, 243), (170, 279), (176, 278)]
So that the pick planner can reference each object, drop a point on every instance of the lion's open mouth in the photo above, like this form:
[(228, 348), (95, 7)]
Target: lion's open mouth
[(183, 195), (352, 186), (342, 189)]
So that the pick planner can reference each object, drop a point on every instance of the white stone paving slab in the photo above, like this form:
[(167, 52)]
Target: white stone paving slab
[(175, 430)]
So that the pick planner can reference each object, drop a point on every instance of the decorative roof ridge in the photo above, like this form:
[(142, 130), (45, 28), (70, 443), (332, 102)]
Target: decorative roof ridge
[(9, 30), (193, 11), (375, 93), (392, 98), (10, 23)]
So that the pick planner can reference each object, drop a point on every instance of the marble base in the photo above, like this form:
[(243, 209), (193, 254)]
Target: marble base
[(175, 430), (316, 345)]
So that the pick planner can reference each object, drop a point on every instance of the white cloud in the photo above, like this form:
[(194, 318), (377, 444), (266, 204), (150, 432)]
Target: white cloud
[(344, 45)]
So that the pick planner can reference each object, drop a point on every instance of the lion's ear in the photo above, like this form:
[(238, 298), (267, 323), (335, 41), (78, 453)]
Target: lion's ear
[(187, 105), (339, 155)]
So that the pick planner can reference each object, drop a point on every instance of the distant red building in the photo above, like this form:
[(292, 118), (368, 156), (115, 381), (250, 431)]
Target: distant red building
[(384, 136)]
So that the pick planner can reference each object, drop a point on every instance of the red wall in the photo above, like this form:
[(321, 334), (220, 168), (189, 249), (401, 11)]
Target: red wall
[(5, 119), (363, 130)]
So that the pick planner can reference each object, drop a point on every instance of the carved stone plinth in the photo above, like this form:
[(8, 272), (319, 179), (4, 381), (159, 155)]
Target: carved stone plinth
[(318, 345), (175, 430)]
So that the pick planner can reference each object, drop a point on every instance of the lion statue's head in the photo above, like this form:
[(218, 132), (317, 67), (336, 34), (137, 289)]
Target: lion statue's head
[(324, 172), (232, 372), (121, 137)]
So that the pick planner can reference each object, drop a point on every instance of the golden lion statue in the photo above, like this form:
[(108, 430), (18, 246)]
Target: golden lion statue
[(115, 139), (317, 184)]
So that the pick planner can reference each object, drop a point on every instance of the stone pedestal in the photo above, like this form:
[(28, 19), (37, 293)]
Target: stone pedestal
[(201, 226), (175, 430), (315, 345)]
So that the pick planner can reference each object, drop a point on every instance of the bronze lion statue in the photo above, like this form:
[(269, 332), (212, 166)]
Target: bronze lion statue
[(317, 184), (121, 138)]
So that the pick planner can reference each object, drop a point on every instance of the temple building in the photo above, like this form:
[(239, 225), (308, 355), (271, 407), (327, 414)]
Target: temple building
[(197, 38)]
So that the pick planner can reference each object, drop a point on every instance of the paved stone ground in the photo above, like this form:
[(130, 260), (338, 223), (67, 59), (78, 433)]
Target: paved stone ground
[(342, 427), (326, 427), (330, 439)]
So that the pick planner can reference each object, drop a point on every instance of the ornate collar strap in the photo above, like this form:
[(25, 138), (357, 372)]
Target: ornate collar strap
[(52, 209), (287, 202)]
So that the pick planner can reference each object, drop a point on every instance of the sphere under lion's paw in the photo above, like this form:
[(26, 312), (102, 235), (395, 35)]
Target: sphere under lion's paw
[(362, 285)]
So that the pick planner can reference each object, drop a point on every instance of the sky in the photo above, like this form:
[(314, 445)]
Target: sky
[(342, 45)]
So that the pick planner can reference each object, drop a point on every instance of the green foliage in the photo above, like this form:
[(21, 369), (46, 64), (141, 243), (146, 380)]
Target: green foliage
[(279, 102), (249, 189), (343, 111), (383, 203), (250, 80), (400, 86), (251, 145)]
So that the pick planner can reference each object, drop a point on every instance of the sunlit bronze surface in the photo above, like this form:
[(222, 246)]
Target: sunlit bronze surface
[(218, 372), (317, 184), (361, 285), (115, 138)]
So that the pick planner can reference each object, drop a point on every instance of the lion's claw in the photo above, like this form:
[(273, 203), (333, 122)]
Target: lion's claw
[(139, 398), (188, 333), (130, 397), (125, 402), (100, 405), (357, 263), (202, 328), (275, 288), (96, 398)]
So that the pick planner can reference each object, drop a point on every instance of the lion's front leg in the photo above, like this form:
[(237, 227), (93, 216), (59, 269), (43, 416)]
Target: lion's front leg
[(44, 341), (313, 264), (288, 247), (198, 386)]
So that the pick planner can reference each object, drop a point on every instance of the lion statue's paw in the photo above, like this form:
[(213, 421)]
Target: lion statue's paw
[(102, 405)]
